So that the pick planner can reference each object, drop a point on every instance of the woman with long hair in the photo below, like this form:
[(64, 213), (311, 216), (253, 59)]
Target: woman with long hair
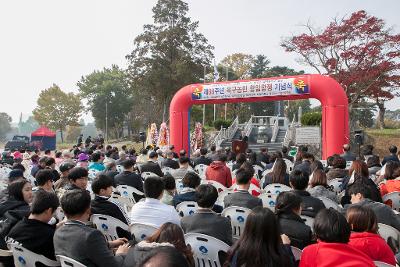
[(364, 235), (168, 234), (318, 186), (391, 184), (288, 210), (278, 174), (261, 243), (358, 173)]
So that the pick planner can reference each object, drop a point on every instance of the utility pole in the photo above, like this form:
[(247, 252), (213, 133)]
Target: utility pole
[(204, 106)]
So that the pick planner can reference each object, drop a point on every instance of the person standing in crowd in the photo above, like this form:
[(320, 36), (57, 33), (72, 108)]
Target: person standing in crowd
[(347, 154), (261, 243), (392, 156), (364, 235)]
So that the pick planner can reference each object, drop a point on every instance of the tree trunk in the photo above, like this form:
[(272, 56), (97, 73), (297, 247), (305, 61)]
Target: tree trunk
[(61, 135), (380, 119)]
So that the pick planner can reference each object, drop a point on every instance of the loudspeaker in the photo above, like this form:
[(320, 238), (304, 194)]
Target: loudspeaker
[(142, 137), (359, 137)]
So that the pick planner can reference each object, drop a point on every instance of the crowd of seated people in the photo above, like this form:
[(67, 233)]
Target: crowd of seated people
[(29, 218)]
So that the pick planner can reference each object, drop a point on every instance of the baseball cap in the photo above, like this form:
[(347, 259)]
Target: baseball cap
[(66, 166)]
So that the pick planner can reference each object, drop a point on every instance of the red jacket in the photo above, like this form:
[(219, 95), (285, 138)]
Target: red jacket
[(334, 255), (218, 171), (389, 186), (372, 245)]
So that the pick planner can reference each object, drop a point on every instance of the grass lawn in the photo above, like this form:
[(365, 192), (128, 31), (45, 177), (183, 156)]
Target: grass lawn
[(384, 132)]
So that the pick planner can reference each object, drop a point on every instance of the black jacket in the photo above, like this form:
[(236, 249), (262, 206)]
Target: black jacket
[(153, 167), (392, 157), (170, 163), (208, 223), (36, 236), (202, 160), (129, 178), (101, 205), (373, 188), (310, 205), (294, 227)]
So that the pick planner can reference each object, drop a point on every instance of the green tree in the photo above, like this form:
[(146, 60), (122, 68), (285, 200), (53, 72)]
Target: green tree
[(259, 67), (5, 125), (28, 126), (169, 54), (109, 96), (240, 63), (57, 109)]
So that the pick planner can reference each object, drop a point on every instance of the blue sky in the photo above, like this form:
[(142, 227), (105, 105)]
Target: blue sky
[(46, 41)]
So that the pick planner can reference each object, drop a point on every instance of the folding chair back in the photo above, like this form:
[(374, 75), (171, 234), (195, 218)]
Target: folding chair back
[(26, 258), (68, 262), (201, 170), (238, 216), (387, 231), (166, 170), (186, 208), (269, 200), (141, 231), (222, 195), (335, 184), (276, 188), (393, 199), (108, 225), (148, 174), (205, 249)]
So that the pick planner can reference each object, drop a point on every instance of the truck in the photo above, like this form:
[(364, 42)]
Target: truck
[(19, 142)]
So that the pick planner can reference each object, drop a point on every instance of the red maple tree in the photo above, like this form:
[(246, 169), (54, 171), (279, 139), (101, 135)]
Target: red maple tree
[(359, 51)]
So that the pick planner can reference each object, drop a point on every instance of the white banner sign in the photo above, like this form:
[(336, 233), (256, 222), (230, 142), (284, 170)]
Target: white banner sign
[(248, 89)]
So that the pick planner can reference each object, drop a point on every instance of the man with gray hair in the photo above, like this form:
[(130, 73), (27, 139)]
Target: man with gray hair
[(122, 157)]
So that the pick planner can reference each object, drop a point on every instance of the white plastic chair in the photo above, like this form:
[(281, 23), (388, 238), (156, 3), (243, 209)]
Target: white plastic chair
[(205, 249), (266, 172), (166, 170), (383, 264), (127, 192), (308, 220), (141, 231), (178, 185), (68, 262), (220, 187), (269, 200), (186, 208), (289, 165), (394, 197), (148, 174), (386, 231), (5, 253), (107, 225), (257, 170), (120, 168), (238, 216), (221, 197), (92, 173), (335, 184), (296, 253), (201, 170), (276, 188), (26, 258), (329, 203), (59, 214)]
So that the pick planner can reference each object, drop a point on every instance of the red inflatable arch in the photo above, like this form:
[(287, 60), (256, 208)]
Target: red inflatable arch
[(335, 118)]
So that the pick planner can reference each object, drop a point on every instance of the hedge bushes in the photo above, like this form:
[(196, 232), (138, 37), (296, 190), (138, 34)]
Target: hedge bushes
[(311, 119), (220, 122)]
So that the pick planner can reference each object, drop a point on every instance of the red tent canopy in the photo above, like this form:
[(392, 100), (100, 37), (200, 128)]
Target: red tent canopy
[(43, 131)]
